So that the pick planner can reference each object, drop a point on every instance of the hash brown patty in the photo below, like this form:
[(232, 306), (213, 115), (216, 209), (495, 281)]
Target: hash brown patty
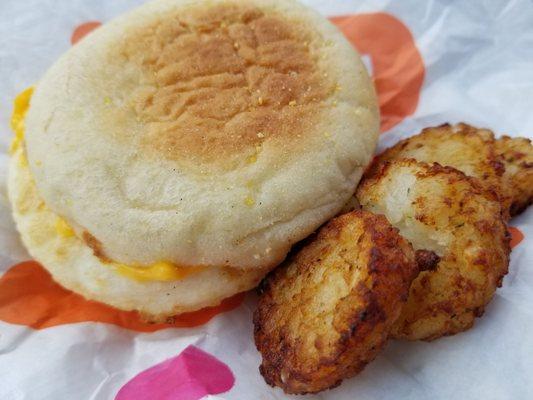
[(442, 210), (328, 310)]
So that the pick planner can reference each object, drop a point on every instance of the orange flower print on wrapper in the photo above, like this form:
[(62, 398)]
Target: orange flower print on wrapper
[(82, 30), (397, 66), (516, 236), (29, 296)]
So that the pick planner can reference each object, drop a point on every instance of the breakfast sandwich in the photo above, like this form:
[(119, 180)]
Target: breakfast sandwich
[(173, 156)]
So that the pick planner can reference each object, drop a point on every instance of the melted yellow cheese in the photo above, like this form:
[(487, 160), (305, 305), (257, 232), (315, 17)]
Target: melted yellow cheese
[(20, 107), (63, 229), (159, 271)]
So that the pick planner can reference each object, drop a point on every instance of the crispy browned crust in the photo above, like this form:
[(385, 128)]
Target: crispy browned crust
[(95, 245), (426, 259), (328, 310), (464, 147), (218, 75), (458, 214), (517, 154)]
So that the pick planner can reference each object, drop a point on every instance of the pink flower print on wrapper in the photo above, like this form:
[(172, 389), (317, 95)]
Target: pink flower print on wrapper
[(191, 375)]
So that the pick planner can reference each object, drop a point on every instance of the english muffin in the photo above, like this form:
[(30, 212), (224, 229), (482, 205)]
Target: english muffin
[(186, 146)]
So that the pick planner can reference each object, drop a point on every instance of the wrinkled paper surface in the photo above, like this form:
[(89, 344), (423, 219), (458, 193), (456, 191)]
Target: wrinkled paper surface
[(478, 64)]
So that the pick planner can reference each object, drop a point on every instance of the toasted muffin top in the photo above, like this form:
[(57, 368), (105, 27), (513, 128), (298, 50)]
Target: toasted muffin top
[(205, 133)]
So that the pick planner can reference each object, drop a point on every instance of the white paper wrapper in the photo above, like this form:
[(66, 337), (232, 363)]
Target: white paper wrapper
[(478, 62)]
